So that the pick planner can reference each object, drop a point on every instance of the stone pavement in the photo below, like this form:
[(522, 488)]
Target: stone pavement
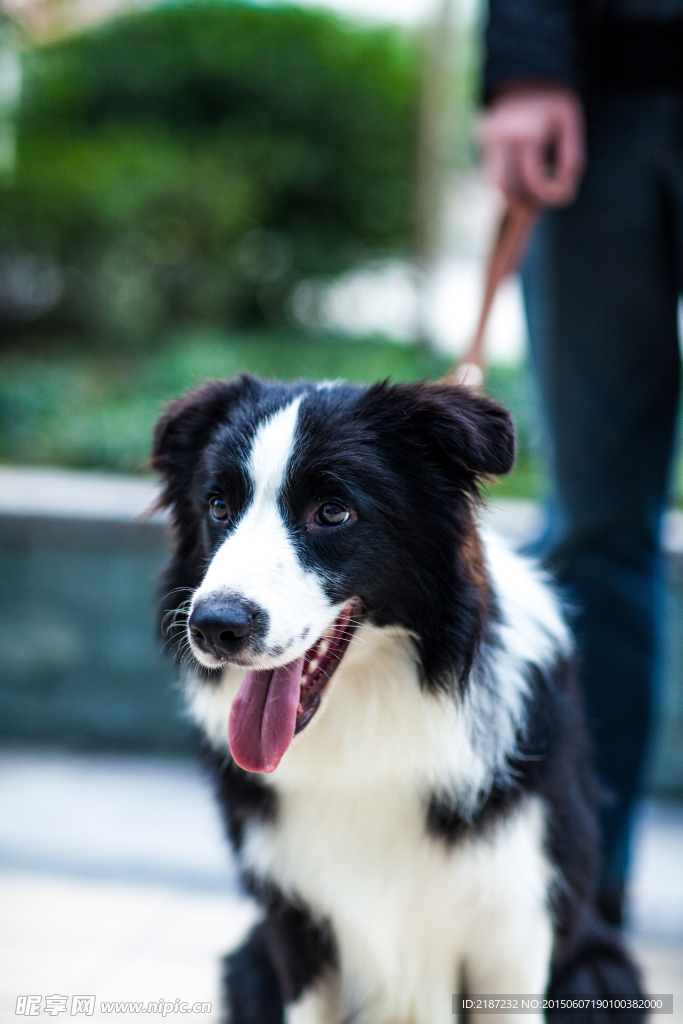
[(115, 882)]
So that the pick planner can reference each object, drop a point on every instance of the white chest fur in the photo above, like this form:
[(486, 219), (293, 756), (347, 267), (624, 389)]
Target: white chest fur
[(409, 914)]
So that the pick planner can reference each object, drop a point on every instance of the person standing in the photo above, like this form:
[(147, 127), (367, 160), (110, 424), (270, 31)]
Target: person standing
[(584, 117)]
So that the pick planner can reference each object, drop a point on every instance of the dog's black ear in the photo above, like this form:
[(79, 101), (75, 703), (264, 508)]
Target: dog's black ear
[(186, 427), (476, 431), (467, 434)]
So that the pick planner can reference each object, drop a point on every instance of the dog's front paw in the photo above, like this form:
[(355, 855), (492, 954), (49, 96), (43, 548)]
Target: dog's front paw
[(251, 991)]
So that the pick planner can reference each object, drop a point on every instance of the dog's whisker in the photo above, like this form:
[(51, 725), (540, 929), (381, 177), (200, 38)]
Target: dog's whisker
[(177, 590), (182, 645), (351, 638), (181, 613), (348, 632), (167, 642), (364, 625), (170, 621)]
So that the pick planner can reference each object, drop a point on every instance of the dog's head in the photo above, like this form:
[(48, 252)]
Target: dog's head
[(300, 509)]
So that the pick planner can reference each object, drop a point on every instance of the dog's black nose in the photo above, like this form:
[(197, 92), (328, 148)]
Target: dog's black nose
[(223, 627)]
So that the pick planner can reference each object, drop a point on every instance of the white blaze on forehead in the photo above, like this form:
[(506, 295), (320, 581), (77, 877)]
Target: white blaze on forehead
[(259, 561), (272, 450)]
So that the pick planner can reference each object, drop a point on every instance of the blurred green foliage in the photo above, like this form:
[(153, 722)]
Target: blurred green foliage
[(189, 164), (92, 410)]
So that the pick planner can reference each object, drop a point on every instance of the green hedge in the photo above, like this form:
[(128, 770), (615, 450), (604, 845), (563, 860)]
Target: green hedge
[(96, 410), (192, 163)]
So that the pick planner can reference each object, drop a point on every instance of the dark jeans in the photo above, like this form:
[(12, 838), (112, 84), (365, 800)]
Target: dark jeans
[(601, 282)]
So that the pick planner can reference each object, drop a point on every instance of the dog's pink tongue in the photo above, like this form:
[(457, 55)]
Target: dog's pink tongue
[(263, 716)]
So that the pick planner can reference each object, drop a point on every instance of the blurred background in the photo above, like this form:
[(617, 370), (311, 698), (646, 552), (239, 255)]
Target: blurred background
[(192, 189)]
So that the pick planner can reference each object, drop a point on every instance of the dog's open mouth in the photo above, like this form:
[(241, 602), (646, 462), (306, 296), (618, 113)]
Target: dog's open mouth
[(274, 704)]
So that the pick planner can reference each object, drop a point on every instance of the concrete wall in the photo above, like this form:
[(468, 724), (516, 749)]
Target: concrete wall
[(80, 661)]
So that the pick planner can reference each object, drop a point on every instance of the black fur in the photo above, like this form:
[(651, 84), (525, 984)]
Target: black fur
[(409, 460), (250, 984), (282, 956), (595, 963), (300, 948), (242, 796)]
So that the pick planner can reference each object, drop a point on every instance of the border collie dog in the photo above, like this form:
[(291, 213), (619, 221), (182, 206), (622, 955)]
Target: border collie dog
[(386, 696)]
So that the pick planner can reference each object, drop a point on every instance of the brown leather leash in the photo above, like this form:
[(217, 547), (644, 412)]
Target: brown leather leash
[(507, 251)]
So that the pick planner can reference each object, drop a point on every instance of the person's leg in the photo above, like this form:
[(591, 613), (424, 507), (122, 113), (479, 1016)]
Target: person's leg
[(601, 304), (673, 167)]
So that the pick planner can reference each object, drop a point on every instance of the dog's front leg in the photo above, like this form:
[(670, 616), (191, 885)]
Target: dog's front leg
[(283, 972), (251, 990), (512, 959), (319, 1005)]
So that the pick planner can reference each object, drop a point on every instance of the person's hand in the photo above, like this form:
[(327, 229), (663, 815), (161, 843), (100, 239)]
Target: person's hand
[(532, 141)]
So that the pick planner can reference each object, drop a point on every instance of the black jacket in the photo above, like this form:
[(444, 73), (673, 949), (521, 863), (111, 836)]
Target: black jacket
[(582, 44), (534, 39)]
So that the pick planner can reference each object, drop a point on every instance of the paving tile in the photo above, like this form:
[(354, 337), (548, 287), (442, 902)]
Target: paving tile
[(120, 942), (662, 965)]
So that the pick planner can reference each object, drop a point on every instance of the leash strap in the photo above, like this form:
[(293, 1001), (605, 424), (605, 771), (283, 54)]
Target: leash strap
[(509, 244)]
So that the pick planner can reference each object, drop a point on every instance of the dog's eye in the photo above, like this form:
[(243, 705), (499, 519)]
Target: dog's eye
[(330, 514), (219, 509)]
